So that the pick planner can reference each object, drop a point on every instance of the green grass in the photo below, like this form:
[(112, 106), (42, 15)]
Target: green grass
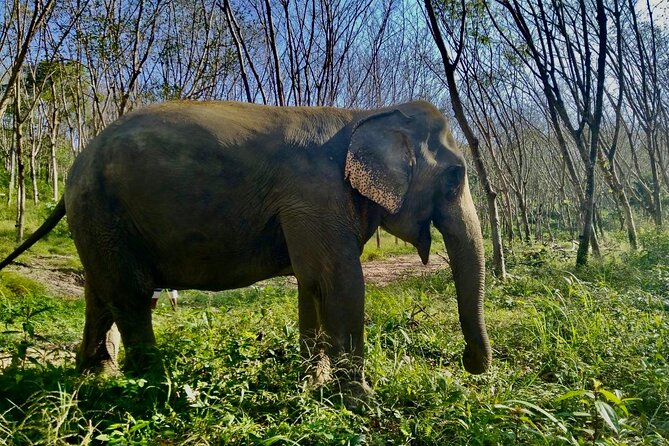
[(388, 245), (580, 357), (57, 246)]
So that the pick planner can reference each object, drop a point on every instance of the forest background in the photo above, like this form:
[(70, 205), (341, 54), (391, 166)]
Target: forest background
[(567, 100)]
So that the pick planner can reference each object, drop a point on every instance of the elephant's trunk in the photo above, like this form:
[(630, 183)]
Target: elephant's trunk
[(458, 223)]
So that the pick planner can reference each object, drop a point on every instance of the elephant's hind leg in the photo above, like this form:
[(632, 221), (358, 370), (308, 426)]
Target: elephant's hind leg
[(118, 307), (99, 349), (132, 313), (119, 282)]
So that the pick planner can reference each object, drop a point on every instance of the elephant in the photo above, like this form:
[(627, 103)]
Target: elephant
[(216, 195)]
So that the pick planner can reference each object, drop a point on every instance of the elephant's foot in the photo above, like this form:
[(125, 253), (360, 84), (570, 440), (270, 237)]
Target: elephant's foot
[(98, 366), (142, 359), (356, 394), (346, 379), (100, 358), (350, 375), (320, 370)]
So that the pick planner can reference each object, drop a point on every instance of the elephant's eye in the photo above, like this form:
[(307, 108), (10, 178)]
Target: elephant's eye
[(452, 179)]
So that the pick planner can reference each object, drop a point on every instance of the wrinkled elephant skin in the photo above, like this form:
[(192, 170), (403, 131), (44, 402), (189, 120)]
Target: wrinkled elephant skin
[(219, 195)]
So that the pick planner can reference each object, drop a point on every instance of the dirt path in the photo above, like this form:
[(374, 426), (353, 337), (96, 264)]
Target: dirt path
[(383, 272), (58, 281), (69, 282)]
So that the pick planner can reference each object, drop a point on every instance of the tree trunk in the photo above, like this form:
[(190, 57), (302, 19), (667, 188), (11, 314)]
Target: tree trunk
[(522, 205), (12, 175), (449, 68), (548, 226), (588, 235), (508, 217), (594, 243), (570, 222), (609, 169), (612, 180), (280, 97), (20, 172), (598, 223), (54, 167), (657, 202), (238, 48), (53, 138), (496, 235), (33, 174), (629, 221)]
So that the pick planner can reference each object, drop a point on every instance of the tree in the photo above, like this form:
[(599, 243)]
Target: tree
[(450, 67), (556, 47), (644, 96), (607, 156), (28, 23)]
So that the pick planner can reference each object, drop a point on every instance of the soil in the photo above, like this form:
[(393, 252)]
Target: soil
[(57, 281), (382, 272), (69, 282)]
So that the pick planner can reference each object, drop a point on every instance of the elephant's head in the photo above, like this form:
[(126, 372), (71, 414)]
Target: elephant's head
[(405, 159)]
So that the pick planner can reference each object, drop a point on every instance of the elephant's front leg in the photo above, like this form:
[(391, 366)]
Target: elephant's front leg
[(331, 305), (312, 345), (342, 321), (332, 328)]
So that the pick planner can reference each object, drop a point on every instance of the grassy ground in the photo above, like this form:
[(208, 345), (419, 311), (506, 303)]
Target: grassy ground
[(580, 357)]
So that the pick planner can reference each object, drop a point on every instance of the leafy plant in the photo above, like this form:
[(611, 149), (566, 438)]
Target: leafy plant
[(19, 319)]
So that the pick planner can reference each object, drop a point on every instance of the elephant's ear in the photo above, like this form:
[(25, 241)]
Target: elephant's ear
[(381, 157)]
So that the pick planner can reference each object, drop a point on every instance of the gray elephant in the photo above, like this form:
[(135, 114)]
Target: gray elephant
[(219, 195)]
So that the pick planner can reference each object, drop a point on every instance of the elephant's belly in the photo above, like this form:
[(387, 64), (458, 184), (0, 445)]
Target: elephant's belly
[(223, 270), (191, 249)]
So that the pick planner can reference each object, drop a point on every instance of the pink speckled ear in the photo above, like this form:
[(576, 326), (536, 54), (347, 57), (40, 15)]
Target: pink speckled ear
[(381, 157)]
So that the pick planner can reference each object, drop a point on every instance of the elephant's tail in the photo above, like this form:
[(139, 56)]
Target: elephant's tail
[(51, 221)]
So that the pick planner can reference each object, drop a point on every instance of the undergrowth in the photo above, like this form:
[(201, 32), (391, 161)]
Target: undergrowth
[(580, 358)]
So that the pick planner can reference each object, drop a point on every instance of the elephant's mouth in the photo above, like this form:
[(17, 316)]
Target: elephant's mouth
[(424, 242)]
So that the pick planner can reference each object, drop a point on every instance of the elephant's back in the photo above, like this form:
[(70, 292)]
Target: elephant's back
[(198, 157), (194, 127), (168, 137), (205, 168)]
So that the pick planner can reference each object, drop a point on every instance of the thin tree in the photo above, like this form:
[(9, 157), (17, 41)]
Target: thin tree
[(272, 46), (24, 38), (235, 32), (558, 43), (450, 67), (644, 96), (607, 156)]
